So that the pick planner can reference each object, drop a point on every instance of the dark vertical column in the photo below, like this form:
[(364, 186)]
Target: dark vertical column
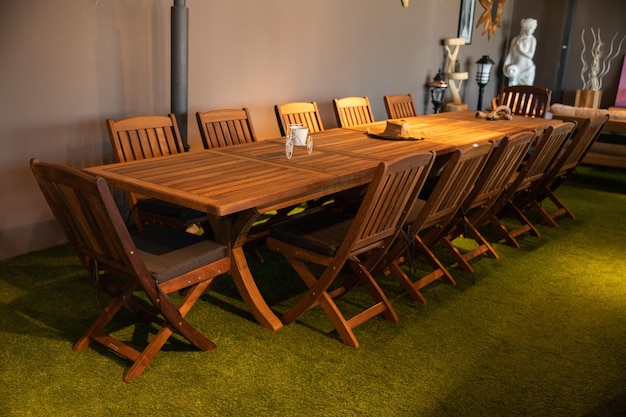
[(180, 61), (557, 96)]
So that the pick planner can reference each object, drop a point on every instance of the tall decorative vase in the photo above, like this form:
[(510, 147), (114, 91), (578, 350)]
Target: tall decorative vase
[(588, 98)]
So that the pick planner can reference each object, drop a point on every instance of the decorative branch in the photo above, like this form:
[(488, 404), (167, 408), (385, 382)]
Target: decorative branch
[(585, 67), (606, 64), (592, 75)]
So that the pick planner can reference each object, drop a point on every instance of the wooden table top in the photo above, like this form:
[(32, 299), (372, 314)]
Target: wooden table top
[(218, 183), (464, 128), (225, 181)]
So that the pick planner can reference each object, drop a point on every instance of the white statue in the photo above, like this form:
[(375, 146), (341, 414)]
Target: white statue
[(519, 67)]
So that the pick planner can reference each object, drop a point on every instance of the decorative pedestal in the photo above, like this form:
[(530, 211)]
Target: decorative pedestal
[(455, 81), (588, 98), (455, 77), (456, 107)]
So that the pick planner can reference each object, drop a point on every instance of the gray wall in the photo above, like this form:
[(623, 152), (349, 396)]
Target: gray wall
[(67, 65)]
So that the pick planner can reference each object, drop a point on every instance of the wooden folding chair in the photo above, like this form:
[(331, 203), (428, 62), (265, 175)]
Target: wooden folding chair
[(352, 111), (333, 239), (431, 213), (563, 168), (144, 137), (544, 153), (225, 127), (494, 179), (156, 261), (524, 100), (399, 106), (299, 113)]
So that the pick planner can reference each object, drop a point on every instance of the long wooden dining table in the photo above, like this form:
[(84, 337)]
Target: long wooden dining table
[(234, 185)]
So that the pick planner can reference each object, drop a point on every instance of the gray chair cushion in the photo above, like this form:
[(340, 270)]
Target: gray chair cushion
[(320, 231), (169, 253)]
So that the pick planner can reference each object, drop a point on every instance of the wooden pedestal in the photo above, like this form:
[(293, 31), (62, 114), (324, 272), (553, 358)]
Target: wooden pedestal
[(588, 98), (456, 107)]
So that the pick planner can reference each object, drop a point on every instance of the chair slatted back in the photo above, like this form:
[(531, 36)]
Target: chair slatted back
[(225, 127), (387, 203), (544, 154), (144, 137), (525, 100), (497, 174), (399, 106), (85, 208), (575, 149), (353, 111), (452, 188), (299, 113)]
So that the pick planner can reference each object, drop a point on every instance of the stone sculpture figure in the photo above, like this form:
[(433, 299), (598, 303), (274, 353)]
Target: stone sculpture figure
[(519, 67)]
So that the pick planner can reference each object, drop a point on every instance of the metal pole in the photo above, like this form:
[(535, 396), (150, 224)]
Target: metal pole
[(557, 95), (481, 88), (180, 61)]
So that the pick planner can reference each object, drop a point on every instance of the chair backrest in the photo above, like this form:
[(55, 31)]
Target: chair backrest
[(144, 137), (451, 189), (498, 172), (352, 111), (399, 106), (575, 149), (302, 113), (386, 205), (525, 100), (546, 149), (84, 207), (225, 127)]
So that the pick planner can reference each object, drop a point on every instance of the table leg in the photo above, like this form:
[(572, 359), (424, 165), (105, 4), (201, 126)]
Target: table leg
[(248, 290), (233, 231)]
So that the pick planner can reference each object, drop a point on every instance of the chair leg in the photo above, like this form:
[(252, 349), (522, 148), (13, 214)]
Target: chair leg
[(307, 302), (338, 320), (504, 232), (406, 282), (414, 287), (142, 359), (527, 225), (97, 327), (510, 235), (150, 351), (561, 209), (543, 213), (458, 256), (145, 357), (464, 258), (317, 295), (375, 292)]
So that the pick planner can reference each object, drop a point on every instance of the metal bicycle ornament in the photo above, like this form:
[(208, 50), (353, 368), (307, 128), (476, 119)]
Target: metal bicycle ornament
[(298, 136)]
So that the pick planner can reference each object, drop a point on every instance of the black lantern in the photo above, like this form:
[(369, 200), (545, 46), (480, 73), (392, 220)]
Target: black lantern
[(483, 72), (437, 88)]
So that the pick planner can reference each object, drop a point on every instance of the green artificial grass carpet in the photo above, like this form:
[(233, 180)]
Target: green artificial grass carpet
[(539, 332)]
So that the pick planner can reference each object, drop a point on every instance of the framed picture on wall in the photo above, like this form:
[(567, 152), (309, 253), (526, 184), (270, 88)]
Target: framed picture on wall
[(466, 20)]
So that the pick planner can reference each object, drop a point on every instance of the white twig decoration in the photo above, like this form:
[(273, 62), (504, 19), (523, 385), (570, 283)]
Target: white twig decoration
[(591, 75)]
